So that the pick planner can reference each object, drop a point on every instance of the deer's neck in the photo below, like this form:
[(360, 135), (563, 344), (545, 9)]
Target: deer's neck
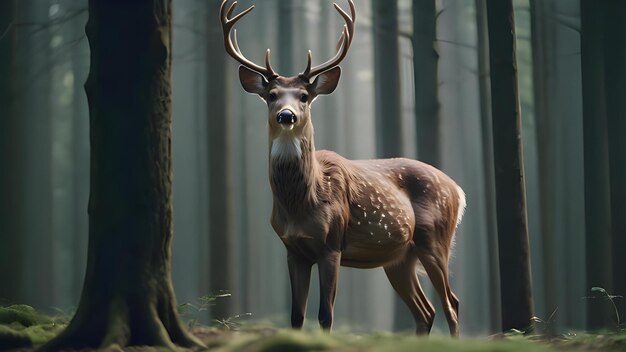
[(294, 170)]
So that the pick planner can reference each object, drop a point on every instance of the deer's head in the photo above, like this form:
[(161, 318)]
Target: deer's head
[(288, 99)]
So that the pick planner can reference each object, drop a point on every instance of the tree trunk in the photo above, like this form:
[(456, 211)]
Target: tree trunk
[(80, 140), (285, 37), (488, 162), (33, 148), (597, 197), (388, 115), (222, 264), (387, 78), (515, 276), (615, 80), (9, 237), (425, 57), (127, 296)]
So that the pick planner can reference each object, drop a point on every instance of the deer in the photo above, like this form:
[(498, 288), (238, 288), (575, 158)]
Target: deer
[(398, 214)]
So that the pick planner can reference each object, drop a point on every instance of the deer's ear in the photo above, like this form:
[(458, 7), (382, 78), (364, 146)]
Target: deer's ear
[(252, 81), (326, 82)]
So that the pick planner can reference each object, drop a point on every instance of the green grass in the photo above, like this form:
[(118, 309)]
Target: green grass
[(296, 341), (23, 327)]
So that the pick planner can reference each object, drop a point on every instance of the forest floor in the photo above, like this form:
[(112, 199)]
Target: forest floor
[(23, 329)]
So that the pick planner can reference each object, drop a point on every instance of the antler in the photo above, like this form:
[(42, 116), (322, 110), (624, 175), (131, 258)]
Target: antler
[(232, 48), (342, 46)]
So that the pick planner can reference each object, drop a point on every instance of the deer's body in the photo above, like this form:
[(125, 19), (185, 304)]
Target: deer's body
[(330, 211), (368, 209)]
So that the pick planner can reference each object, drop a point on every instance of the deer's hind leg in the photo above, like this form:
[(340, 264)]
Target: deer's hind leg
[(434, 258), (405, 282)]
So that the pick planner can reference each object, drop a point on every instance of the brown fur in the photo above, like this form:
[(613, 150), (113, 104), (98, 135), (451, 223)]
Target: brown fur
[(371, 213), (330, 211)]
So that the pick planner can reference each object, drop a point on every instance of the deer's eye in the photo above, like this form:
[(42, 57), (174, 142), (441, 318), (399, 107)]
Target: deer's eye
[(272, 97), (304, 98)]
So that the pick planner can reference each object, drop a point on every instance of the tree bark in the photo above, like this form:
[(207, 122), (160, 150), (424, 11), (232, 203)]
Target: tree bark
[(80, 133), (9, 237), (387, 78), (596, 156), (425, 58), (127, 297), (515, 275)]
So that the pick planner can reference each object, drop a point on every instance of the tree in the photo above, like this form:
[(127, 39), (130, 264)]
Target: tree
[(615, 80), (596, 156), (488, 162), (515, 276), (9, 250), (558, 117), (222, 265), (388, 114), (80, 138), (31, 150), (387, 78), (425, 59), (127, 296)]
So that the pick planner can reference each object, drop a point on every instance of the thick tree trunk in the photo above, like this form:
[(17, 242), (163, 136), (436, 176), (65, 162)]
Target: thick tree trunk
[(127, 296), (597, 193), (615, 80), (80, 134), (515, 275), (222, 265), (9, 237), (488, 162), (425, 57), (387, 78)]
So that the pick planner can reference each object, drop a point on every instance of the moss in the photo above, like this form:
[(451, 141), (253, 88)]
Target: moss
[(22, 325), (438, 343), (23, 314), (600, 341), (10, 338), (42, 333), (294, 341)]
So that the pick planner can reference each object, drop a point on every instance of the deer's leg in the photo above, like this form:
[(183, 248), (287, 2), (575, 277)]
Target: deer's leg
[(328, 267), (406, 283), (436, 265), (300, 276)]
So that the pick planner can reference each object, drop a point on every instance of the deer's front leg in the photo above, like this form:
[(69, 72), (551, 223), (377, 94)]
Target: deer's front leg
[(328, 267), (300, 276)]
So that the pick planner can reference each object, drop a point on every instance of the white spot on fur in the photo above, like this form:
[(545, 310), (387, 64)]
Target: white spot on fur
[(287, 146)]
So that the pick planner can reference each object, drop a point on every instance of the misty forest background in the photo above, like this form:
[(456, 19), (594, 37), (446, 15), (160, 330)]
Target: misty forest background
[(415, 84)]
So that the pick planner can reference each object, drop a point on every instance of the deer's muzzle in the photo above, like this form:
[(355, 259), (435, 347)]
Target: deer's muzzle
[(286, 117)]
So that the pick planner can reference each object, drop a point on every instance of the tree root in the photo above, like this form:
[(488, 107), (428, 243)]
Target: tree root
[(123, 325)]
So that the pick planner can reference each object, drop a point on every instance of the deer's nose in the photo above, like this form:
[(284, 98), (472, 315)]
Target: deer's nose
[(286, 117)]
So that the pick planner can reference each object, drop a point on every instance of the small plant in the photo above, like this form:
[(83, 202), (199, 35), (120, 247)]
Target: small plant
[(231, 323), (601, 293), (544, 327), (191, 312)]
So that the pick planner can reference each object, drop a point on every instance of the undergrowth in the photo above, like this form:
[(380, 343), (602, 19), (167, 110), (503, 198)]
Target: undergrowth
[(23, 327)]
